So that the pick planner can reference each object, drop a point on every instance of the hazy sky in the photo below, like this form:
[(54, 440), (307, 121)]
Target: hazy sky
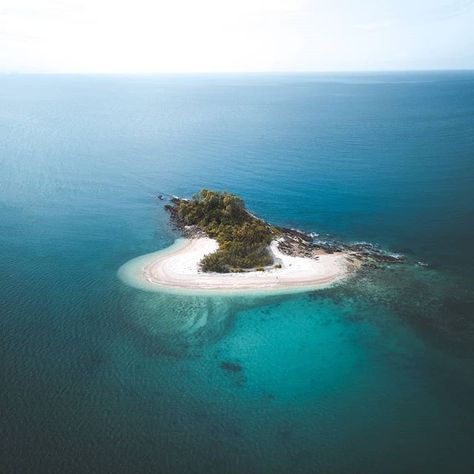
[(148, 36)]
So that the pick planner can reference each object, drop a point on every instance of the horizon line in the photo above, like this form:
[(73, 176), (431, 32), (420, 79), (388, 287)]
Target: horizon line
[(207, 73)]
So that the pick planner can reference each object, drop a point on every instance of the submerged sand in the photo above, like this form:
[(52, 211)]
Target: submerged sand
[(177, 268)]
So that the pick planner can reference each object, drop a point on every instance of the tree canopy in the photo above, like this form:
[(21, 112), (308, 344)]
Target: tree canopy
[(243, 239)]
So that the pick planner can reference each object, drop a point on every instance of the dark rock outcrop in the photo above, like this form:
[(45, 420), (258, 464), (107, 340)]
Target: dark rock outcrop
[(299, 244)]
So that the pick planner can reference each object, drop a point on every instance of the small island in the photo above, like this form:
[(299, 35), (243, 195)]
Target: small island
[(226, 248), (243, 238)]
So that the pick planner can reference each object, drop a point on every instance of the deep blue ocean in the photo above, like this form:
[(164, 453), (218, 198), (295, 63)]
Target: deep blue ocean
[(373, 376)]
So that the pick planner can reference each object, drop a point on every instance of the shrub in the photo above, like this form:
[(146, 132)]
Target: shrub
[(243, 239)]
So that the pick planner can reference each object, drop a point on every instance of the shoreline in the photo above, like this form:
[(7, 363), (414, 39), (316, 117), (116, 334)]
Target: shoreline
[(175, 269)]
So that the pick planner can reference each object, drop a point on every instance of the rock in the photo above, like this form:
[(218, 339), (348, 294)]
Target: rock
[(230, 366), (192, 232), (295, 235), (296, 243)]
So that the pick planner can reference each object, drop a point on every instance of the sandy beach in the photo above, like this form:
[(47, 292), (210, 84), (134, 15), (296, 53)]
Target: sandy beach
[(177, 267)]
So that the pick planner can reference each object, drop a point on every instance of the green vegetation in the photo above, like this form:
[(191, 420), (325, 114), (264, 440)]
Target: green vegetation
[(243, 239)]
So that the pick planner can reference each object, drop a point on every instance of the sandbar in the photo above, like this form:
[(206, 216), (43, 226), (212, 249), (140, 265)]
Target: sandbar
[(177, 269)]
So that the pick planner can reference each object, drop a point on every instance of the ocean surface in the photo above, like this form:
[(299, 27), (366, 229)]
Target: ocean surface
[(372, 376)]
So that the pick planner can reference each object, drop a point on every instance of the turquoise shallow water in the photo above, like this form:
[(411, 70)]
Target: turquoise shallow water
[(375, 375)]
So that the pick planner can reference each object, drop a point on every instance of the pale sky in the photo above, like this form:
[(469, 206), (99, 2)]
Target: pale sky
[(156, 36)]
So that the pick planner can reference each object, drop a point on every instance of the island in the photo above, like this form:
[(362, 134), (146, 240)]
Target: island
[(226, 248)]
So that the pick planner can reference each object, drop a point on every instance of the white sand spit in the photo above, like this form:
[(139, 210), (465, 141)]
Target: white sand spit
[(177, 268)]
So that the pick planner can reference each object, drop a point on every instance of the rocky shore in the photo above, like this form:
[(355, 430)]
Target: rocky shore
[(296, 243)]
